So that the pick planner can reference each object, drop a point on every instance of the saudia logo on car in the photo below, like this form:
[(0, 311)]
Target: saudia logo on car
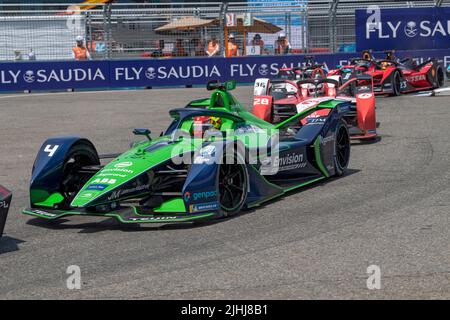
[(52, 75)]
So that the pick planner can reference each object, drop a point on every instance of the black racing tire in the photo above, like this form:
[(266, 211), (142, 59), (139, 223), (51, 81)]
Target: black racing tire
[(79, 155), (396, 83), (341, 149), (232, 187), (440, 77)]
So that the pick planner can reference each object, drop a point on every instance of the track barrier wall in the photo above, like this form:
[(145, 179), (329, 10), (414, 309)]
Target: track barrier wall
[(115, 74)]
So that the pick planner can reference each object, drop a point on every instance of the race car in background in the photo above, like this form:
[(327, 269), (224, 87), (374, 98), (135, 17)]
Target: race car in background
[(448, 72), (393, 76), (277, 100), (310, 70), (203, 166), (5, 202)]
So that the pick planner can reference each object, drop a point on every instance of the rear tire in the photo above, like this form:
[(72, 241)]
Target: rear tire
[(341, 149), (79, 155)]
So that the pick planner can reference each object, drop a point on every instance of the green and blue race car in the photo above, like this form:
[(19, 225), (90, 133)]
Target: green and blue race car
[(214, 160)]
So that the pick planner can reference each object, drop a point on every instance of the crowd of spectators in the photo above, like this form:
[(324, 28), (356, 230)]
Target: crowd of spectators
[(212, 47)]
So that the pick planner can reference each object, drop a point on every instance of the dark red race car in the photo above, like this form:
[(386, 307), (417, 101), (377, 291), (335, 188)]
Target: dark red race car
[(310, 70), (393, 76), (277, 100)]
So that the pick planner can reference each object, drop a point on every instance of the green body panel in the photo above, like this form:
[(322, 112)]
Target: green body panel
[(130, 165), (172, 205), (52, 200), (320, 164)]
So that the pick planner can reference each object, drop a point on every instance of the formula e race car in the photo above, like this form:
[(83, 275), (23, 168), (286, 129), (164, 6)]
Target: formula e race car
[(277, 100), (311, 70), (393, 76), (5, 202), (215, 159)]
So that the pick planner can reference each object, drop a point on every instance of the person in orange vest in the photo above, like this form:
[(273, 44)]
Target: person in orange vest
[(80, 52), (213, 47), (232, 50)]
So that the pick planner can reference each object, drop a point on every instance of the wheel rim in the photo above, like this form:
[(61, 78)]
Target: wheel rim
[(232, 182), (342, 148)]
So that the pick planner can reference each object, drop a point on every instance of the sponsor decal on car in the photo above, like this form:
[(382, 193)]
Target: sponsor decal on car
[(290, 161), (98, 187), (104, 171), (195, 196), (123, 164), (208, 206), (316, 120), (44, 213), (124, 192), (328, 139), (143, 219)]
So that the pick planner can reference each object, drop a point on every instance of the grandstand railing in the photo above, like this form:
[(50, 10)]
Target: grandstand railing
[(129, 30)]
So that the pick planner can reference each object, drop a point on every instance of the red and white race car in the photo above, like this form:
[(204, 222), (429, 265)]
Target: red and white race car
[(278, 100), (393, 76)]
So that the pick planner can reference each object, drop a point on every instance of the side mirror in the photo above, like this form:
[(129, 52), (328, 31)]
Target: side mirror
[(143, 132), (230, 85)]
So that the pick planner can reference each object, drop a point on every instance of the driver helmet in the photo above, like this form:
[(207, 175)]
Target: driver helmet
[(205, 123), (367, 55)]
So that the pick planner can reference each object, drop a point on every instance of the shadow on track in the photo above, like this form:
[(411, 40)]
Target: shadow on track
[(9, 244)]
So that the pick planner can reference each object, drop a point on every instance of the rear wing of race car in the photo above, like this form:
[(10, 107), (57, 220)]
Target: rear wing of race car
[(5, 201)]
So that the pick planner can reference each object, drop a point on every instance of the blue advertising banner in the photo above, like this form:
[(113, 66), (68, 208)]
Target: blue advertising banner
[(18, 76), (403, 29)]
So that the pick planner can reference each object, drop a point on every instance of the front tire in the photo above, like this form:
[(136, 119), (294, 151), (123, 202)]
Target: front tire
[(341, 149), (396, 83), (232, 187), (79, 155)]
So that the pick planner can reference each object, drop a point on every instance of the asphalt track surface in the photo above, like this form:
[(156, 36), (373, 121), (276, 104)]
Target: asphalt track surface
[(391, 210)]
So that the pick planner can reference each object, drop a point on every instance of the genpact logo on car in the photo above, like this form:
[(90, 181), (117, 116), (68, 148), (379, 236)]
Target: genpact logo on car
[(199, 195)]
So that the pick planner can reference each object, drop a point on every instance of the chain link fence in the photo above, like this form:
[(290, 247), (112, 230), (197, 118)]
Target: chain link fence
[(166, 30)]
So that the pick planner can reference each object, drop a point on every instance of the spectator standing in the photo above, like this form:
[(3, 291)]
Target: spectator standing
[(17, 55), (31, 55), (160, 44), (213, 47), (198, 47), (232, 50), (80, 52), (258, 42), (179, 50), (282, 45)]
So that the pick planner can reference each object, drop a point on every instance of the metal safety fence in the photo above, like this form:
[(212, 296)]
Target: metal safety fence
[(182, 29)]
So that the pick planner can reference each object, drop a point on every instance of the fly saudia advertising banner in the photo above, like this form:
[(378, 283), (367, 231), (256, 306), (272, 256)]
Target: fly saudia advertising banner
[(403, 29), (57, 75)]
